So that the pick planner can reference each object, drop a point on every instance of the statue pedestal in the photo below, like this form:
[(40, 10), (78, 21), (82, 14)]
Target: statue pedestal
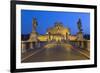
[(79, 36), (33, 39)]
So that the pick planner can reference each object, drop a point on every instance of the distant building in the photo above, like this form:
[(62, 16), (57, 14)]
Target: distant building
[(57, 33)]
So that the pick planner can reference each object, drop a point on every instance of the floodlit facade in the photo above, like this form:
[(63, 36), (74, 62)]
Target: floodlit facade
[(57, 33)]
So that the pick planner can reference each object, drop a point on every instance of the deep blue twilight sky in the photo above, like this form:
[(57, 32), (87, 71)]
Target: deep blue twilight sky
[(47, 19)]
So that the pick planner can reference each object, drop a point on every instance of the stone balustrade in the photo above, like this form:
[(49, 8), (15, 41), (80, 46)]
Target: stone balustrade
[(84, 44), (27, 45)]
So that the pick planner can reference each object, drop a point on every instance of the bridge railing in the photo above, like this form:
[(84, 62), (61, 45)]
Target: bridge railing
[(84, 44), (27, 45)]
